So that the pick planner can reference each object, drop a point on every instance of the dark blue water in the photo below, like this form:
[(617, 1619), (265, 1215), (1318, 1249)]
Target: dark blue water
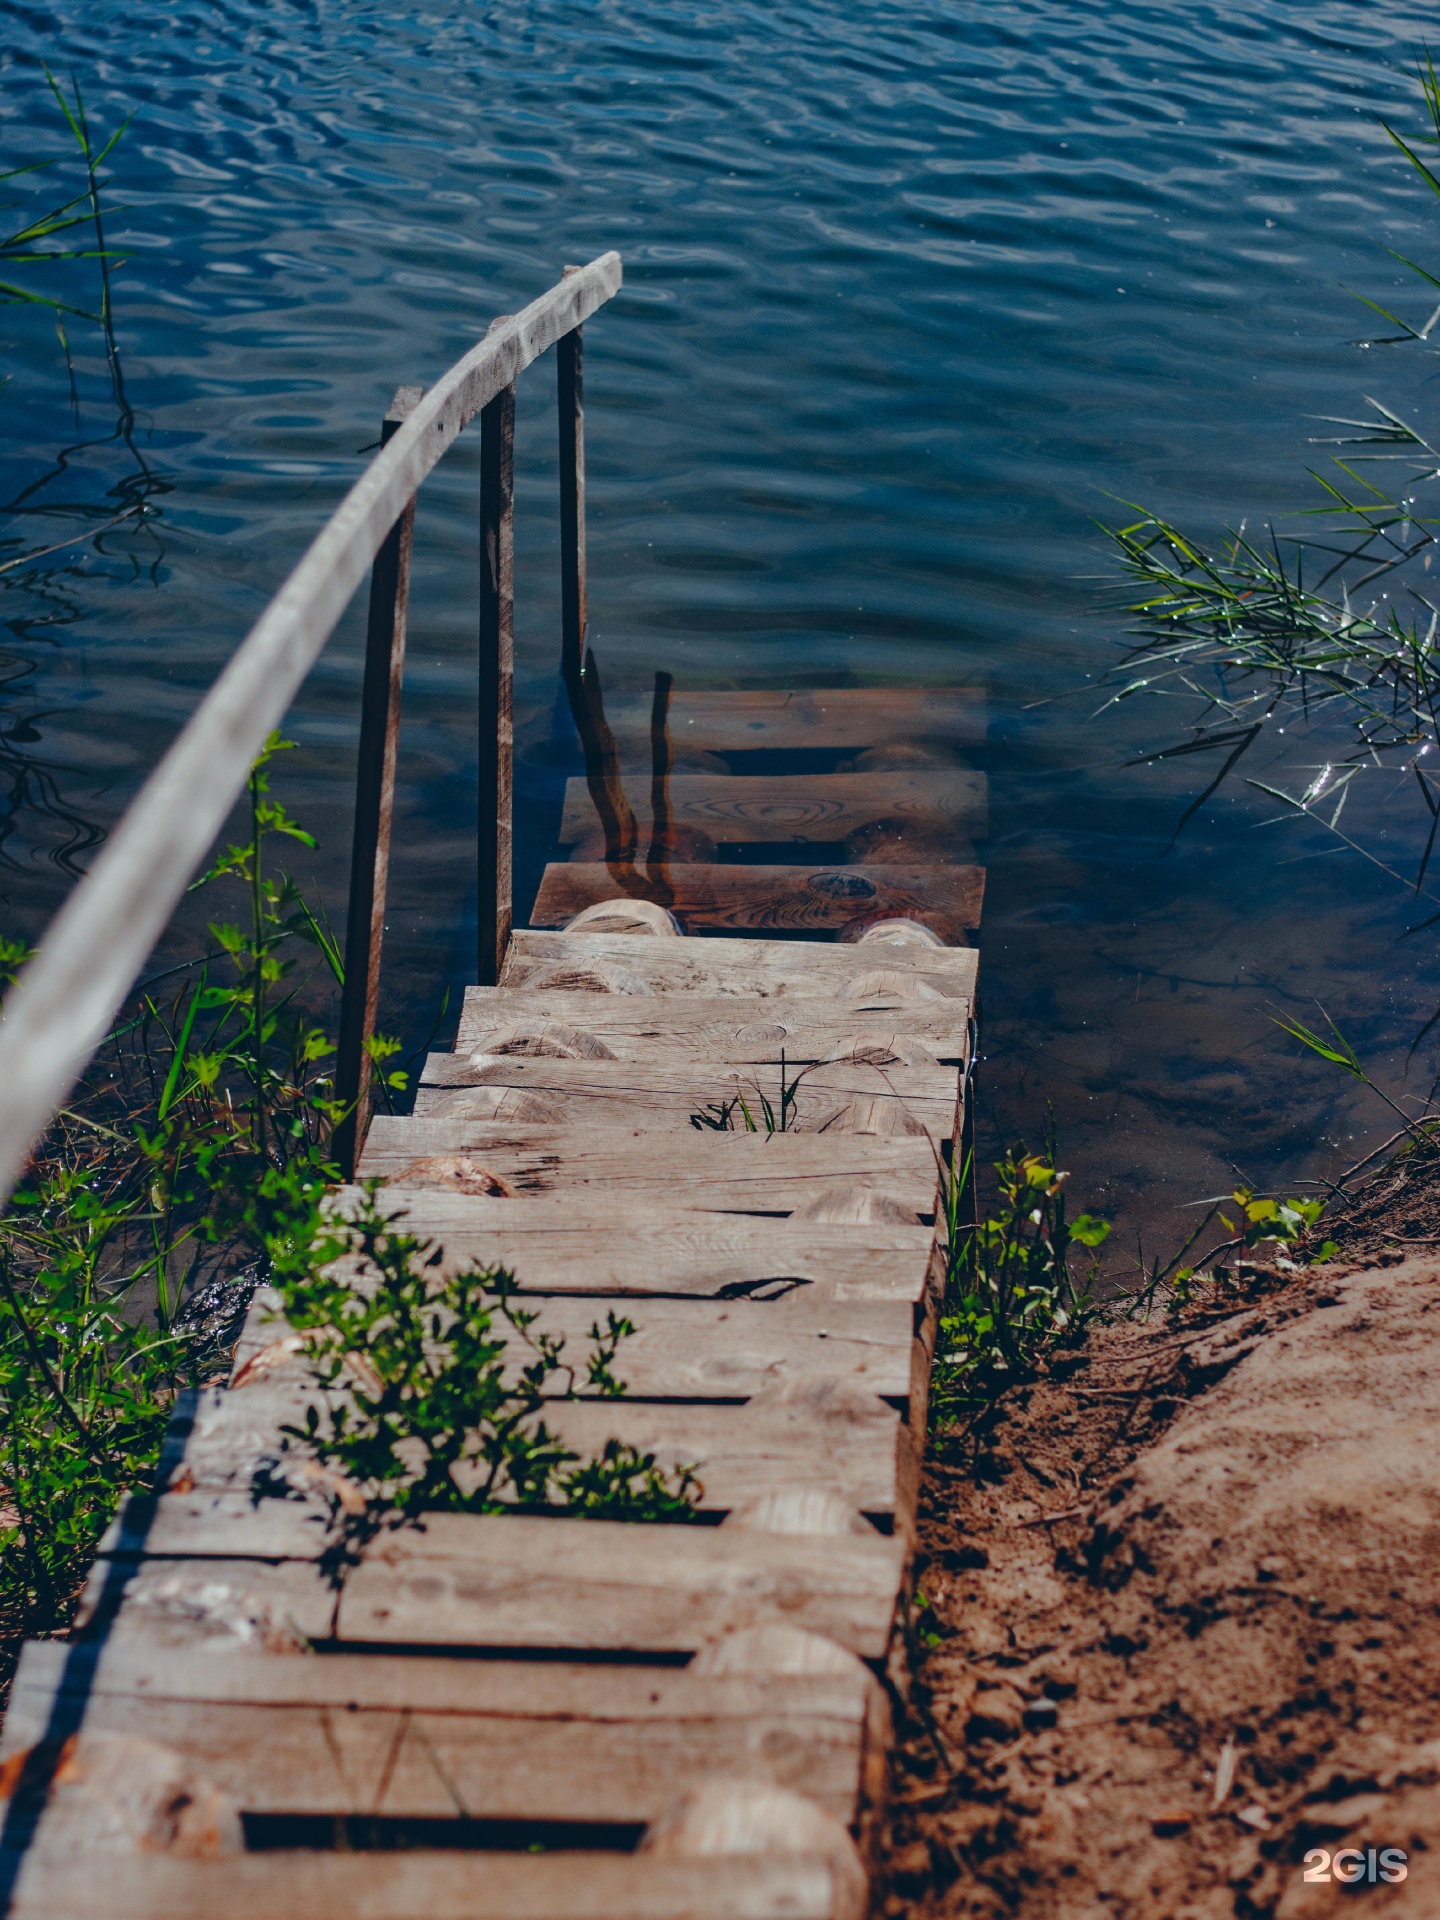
[(912, 291)]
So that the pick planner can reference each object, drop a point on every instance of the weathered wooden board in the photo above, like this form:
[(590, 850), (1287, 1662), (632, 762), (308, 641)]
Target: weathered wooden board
[(832, 719), (948, 801), (629, 1247), (839, 1097), (554, 1024), (494, 1739), (59, 1885), (681, 1349), (795, 899), (736, 1173), (737, 1452), (846, 978), (506, 1582)]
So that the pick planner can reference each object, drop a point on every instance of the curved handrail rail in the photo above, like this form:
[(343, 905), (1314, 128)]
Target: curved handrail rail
[(64, 1001)]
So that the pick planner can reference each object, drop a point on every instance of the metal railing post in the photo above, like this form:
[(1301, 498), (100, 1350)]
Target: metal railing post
[(497, 677), (374, 806)]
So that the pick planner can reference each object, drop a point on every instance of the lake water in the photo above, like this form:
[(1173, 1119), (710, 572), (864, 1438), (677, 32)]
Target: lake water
[(912, 292)]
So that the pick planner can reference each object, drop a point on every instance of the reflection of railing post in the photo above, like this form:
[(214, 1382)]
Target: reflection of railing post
[(497, 676), (374, 805)]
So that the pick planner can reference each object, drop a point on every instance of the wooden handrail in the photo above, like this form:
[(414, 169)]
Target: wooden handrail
[(63, 1003)]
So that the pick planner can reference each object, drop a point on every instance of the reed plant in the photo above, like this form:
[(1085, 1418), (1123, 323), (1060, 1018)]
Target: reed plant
[(1335, 633)]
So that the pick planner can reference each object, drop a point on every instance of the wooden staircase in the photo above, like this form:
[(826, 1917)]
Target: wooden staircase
[(514, 1717)]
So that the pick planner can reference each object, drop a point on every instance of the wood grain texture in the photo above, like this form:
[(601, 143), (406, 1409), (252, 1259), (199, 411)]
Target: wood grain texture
[(557, 1024), (374, 807), (831, 719), (796, 899), (737, 1173), (738, 1451), (592, 1585), (786, 807), (626, 1248), (689, 1349), (844, 1097), (848, 977), (64, 1001), (426, 1886), (501, 1739)]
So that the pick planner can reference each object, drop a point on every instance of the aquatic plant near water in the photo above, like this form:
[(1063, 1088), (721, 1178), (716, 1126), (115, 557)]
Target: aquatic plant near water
[(1011, 1294)]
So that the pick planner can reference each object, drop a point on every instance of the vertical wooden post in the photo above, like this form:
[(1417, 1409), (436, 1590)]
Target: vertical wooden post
[(374, 805), (570, 367), (497, 676)]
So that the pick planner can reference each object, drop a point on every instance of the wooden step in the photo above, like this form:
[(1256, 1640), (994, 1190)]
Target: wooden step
[(728, 1172), (942, 803), (638, 1249), (551, 1023), (840, 1098), (427, 1738), (737, 1452), (681, 1349), (833, 719), (844, 977), (56, 1885), (797, 899), (213, 1564)]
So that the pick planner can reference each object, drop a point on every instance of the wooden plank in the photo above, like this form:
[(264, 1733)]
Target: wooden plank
[(374, 807), (58, 1885), (619, 1588), (424, 1738), (739, 1173), (796, 899), (832, 719), (622, 1026), (688, 1349), (641, 1248), (737, 1452), (847, 1096), (845, 977), (495, 843), (828, 807), (65, 1000), (514, 1582)]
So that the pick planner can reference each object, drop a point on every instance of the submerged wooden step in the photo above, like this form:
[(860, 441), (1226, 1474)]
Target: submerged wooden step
[(832, 719), (942, 802), (797, 899)]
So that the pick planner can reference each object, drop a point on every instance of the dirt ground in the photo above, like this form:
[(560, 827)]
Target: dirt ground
[(1183, 1620)]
